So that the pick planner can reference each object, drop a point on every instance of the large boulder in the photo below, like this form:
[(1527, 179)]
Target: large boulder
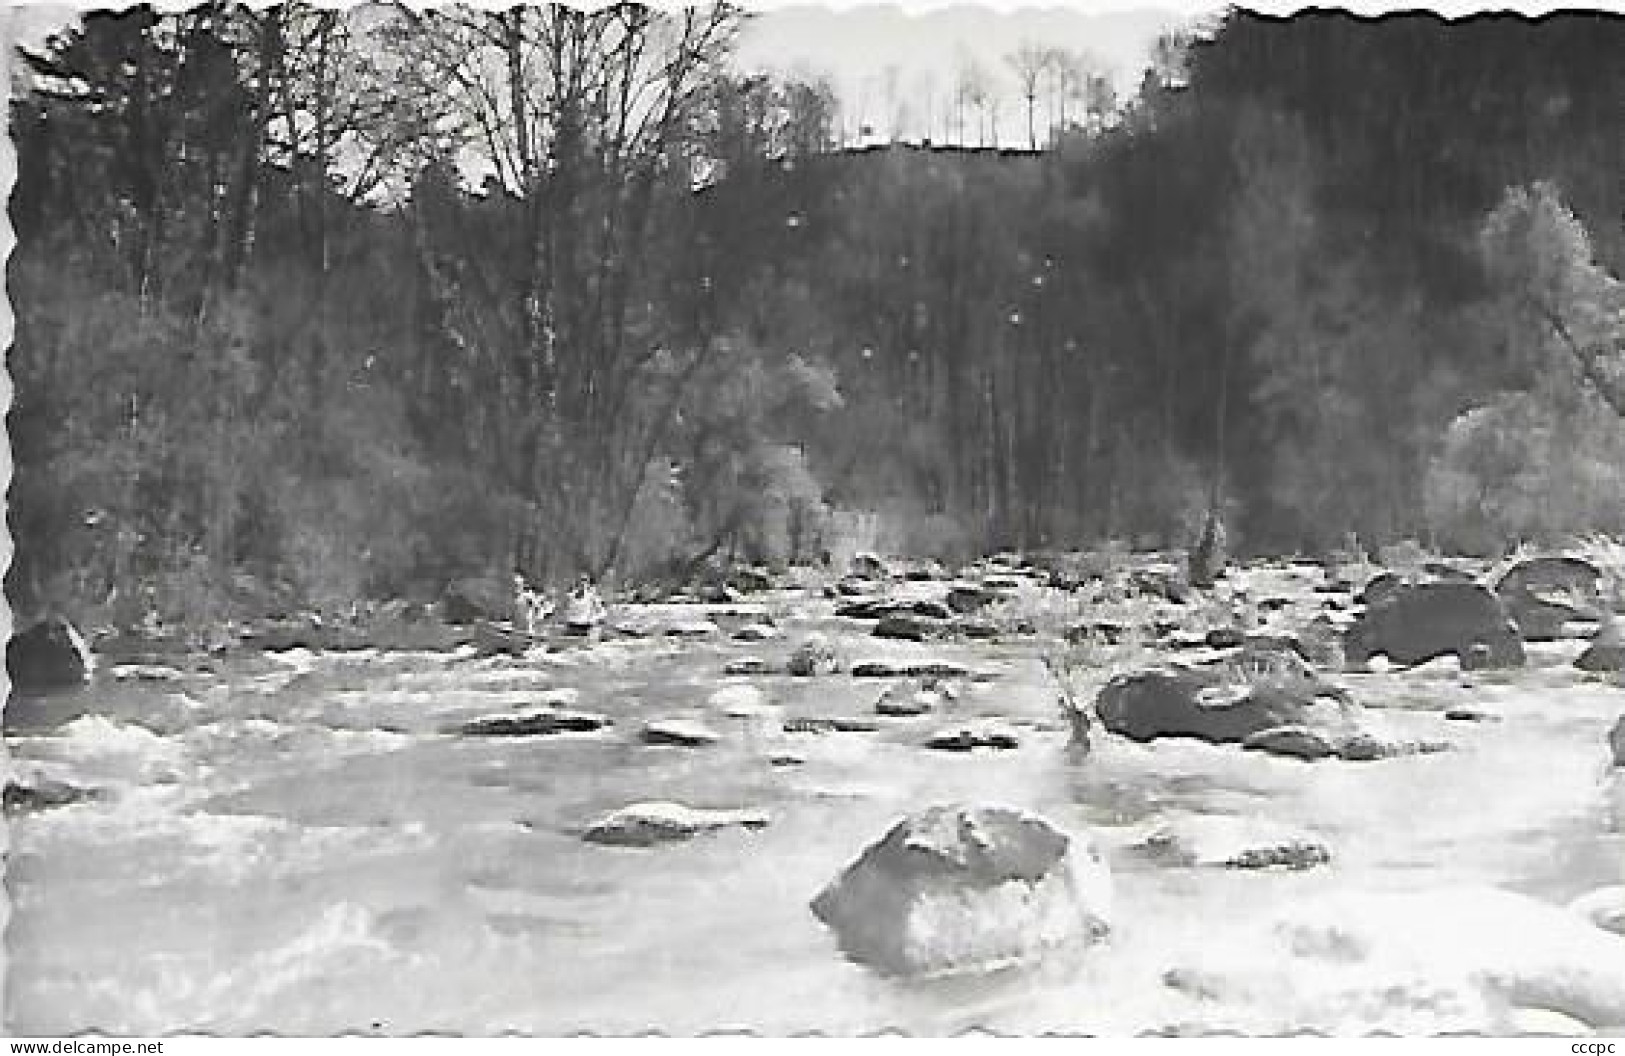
[(1381, 587), (1180, 702), (1540, 620), (1543, 594), (961, 889), (1423, 621), (49, 655), (1573, 578)]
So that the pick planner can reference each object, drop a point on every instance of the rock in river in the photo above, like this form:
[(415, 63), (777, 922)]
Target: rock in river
[(1297, 742), (43, 795), (911, 669), (757, 632), (1417, 623), (815, 656), (962, 889), (49, 655), (536, 723), (681, 733), (647, 824), (966, 737), (1233, 842), (909, 698), (1616, 741), (1179, 702), (1573, 579), (829, 724), (906, 627)]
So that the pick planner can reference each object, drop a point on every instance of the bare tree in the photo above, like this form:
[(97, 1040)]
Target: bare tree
[(578, 116), (1030, 62), (972, 89)]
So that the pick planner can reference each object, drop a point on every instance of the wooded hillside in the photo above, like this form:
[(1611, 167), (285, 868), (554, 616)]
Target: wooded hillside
[(317, 306)]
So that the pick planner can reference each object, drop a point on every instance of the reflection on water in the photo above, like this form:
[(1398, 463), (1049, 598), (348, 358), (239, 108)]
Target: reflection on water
[(300, 847)]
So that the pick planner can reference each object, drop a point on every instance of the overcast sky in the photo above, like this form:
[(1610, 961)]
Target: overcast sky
[(881, 58)]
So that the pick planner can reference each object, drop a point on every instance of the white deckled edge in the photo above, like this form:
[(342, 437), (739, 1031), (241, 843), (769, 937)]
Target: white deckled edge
[(8, 329)]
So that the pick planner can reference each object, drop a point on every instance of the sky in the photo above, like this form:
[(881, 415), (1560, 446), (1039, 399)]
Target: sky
[(893, 67), (882, 60)]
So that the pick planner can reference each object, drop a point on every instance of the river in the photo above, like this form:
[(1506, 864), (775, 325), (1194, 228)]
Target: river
[(293, 843)]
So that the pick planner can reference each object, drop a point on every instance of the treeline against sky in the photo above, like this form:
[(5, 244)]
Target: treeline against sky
[(319, 306)]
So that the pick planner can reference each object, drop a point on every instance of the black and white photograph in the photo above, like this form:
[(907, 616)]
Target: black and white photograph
[(1099, 519)]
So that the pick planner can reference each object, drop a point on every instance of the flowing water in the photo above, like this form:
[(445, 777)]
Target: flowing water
[(294, 844)]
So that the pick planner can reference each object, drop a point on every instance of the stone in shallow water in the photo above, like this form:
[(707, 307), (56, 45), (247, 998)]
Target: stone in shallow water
[(908, 699), (757, 632), (906, 627), (961, 889), (1297, 742), (681, 733), (648, 824), (1418, 623), (972, 735), (911, 669), (536, 723), (1616, 741), (1234, 842), (1363, 747), (747, 665), (815, 656), (1181, 702), (829, 724), (43, 795)]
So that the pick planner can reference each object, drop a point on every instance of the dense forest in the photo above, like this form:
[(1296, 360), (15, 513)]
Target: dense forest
[(316, 307)]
